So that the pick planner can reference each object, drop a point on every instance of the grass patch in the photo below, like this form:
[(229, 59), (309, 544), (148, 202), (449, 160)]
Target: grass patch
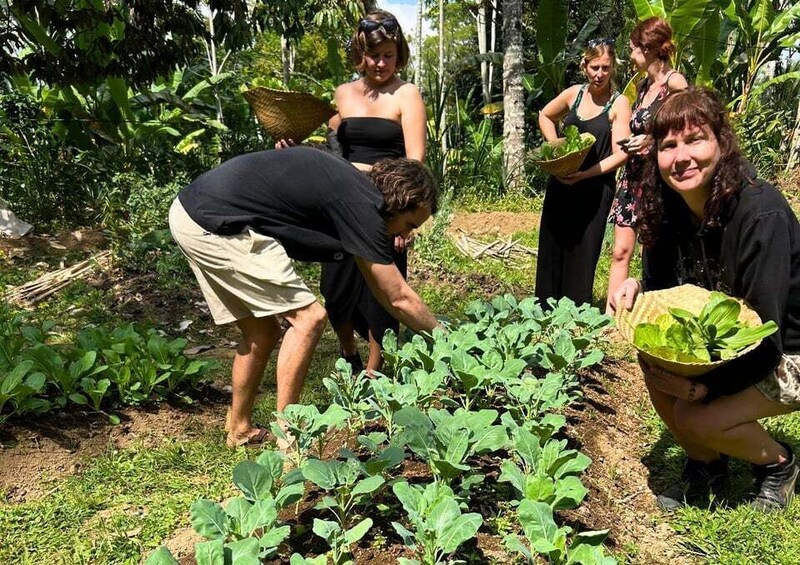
[(728, 531), (470, 202), (122, 506)]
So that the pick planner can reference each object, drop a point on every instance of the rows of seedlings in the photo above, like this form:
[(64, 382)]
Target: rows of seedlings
[(463, 423)]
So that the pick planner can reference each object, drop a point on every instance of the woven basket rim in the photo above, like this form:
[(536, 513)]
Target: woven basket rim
[(651, 304), (287, 114), (569, 163)]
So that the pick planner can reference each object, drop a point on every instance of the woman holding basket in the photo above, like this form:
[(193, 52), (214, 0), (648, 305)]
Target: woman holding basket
[(380, 117), (576, 206), (706, 219)]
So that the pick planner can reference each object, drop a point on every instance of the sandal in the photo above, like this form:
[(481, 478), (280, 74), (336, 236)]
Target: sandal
[(261, 437)]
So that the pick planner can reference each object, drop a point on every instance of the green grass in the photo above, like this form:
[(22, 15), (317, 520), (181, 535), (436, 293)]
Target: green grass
[(471, 202), (728, 531), (122, 506)]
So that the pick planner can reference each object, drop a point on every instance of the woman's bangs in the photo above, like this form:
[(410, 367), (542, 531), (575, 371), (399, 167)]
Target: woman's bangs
[(674, 116)]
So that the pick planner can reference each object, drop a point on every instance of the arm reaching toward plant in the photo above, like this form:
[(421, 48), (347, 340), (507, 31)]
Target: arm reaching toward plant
[(394, 294)]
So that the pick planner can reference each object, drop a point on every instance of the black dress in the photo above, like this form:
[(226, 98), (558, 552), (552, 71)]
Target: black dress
[(574, 218), (347, 296)]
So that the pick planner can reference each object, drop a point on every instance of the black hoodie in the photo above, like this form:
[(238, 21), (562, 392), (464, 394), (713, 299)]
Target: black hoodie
[(754, 255)]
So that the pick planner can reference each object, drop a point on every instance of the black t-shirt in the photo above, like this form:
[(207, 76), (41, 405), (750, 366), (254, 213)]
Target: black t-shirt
[(755, 255), (317, 205)]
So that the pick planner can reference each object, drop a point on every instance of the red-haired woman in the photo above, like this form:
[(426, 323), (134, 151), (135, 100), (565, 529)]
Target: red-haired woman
[(651, 49), (706, 219)]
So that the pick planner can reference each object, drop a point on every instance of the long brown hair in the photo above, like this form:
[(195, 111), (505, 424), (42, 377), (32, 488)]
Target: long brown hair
[(695, 106)]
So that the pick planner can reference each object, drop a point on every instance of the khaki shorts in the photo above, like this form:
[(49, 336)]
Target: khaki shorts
[(783, 384), (240, 275)]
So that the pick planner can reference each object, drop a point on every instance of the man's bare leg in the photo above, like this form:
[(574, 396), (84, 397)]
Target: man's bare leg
[(259, 337), (294, 356), (375, 359)]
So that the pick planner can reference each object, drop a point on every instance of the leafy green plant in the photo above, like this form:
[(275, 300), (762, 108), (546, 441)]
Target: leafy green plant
[(350, 391), (715, 334), (348, 490), (445, 441), (529, 398), (437, 525), (247, 529), (572, 142), (545, 473), (307, 429), (18, 389), (547, 539)]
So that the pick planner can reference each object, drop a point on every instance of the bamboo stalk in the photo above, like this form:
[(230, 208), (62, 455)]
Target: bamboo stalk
[(50, 283)]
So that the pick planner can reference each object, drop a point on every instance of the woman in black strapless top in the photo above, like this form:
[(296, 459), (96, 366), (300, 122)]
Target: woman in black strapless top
[(380, 116)]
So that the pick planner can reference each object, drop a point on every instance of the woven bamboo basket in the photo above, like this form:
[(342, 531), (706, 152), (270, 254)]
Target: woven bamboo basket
[(285, 114), (567, 164), (650, 305)]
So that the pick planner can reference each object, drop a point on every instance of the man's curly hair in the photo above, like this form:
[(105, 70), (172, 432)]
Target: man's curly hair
[(700, 107), (406, 184)]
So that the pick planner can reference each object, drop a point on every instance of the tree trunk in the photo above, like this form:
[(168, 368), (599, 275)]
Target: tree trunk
[(482, 49), (418, 73), (513, 99), (492, 41), (794, 147), (442, 89), (287, 59), (212, 64)]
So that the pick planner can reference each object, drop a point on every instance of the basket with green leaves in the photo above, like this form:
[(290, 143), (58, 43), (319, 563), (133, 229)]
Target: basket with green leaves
[(566, 154), (688, 330)]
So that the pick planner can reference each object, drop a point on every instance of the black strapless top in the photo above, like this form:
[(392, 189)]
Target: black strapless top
[(368, 140)]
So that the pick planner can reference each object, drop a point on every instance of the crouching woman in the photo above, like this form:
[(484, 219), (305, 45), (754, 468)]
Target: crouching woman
[(707, 220)]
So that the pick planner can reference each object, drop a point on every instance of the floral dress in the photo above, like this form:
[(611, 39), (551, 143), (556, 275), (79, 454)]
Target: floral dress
[(629, 189)]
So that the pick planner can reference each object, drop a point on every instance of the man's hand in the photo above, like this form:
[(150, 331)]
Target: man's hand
[(284, 143), (402, 243)]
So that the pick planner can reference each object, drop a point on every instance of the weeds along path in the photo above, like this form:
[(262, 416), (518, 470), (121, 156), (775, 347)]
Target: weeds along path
[(610, 426)]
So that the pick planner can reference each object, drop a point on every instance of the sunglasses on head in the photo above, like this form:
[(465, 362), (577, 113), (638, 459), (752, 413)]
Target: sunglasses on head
[(602, 41), (389, 25)]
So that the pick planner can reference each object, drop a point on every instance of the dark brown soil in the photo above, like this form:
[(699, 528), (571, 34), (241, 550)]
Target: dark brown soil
[(607, 425), (37, 451), (43, 245)]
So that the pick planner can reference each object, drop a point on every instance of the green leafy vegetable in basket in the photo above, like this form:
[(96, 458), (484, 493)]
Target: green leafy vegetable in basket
[(716, 334), (573, 143)]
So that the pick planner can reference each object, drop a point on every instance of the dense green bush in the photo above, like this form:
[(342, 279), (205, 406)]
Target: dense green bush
[(763, 132), (44, 180)]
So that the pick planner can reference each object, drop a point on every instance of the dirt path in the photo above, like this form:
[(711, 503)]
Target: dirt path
[(39, 451), (493, 224), (610, 428)]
